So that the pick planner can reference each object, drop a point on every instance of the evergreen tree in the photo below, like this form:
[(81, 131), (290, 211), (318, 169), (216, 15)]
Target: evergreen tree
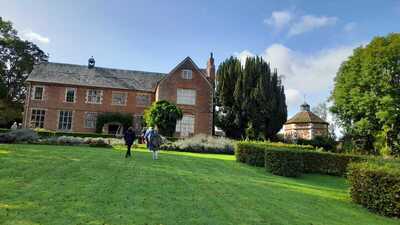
[(255, 99)]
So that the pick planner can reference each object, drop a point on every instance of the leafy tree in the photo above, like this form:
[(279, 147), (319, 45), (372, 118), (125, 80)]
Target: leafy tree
[(17, 58), (366, 97), (251, 99), (163, 115)]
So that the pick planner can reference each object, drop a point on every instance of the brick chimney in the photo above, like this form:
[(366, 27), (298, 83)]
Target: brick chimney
[(211, 69)]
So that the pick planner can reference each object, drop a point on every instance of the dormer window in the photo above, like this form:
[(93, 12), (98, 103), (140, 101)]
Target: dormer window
[(38, 92), (187, 74)]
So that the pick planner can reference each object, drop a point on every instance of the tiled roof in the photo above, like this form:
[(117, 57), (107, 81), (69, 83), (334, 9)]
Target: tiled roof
[(96, 77), (305, 117)]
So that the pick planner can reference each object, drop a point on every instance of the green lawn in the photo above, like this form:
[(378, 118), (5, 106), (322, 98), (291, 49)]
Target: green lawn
[(74, 185)]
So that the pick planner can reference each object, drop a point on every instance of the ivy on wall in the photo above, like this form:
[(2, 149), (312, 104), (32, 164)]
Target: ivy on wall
[(124, 118)]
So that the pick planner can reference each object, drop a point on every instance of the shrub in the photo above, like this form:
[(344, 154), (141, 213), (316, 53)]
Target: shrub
[(4, 130), (376, 186), (124, 118), (18, 136), (253, 153), (312, 161), (327, 163), (288, 163), (326, 143), (201, 144)]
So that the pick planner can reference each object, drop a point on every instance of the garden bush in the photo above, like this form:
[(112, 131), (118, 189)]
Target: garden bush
[(376, 186), (253, 152), (312, 161), (19, 136), (327, 163), (288, 163), (326, 143), (201, 144)]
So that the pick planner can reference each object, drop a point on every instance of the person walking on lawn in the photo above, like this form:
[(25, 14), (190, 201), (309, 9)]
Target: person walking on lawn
[(153, 141), (129, 137)]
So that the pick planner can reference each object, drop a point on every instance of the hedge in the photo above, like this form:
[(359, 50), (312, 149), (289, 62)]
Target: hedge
[(4, 130), (271, 156), (328, 163), (283, 162), (253, 153), (376, 186)]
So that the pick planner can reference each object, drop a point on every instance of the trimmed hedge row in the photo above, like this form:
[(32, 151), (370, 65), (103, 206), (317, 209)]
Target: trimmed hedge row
[(376, 186), (253, 153), (294, 160), (59, 134), (283, 162)]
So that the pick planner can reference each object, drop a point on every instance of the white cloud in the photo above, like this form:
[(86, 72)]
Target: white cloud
[(279, 19), (349, 26), (32, 36), (311, 22), (242, 56), (293, 97), (311, 72)]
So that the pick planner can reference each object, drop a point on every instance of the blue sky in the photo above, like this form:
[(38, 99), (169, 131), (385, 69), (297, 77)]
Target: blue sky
[(305, 40)]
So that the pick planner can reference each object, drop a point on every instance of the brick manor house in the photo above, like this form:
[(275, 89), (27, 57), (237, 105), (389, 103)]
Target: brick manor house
[(68, 98)]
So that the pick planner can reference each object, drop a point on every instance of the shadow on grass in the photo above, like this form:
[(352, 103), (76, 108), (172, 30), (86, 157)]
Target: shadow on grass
[(69, 185)]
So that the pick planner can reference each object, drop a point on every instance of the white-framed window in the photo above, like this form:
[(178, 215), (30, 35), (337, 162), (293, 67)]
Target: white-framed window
[(185, 126), (94, 96), (143, 99), (38, 92), (90, 119), (119, 98), (70, 95), (187, 74), (37, 118), (65, 120), (186, 96)]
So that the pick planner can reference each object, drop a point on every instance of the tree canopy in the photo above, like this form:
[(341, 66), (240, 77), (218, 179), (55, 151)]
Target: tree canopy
[(17, 58), (366, 96), (251, 99), (163, 115)]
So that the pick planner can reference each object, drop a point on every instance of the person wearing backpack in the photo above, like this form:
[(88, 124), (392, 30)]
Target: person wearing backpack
[(153, 141), (129, 137)]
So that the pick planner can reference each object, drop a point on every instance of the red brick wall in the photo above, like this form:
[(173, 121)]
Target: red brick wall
[(54, 95), (202, 110)]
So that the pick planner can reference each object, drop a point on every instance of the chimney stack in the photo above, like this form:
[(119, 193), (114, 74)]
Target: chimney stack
[(211, 69), (91, 62)]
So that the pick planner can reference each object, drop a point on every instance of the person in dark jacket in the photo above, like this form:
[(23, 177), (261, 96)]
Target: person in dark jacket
[(129, 139)]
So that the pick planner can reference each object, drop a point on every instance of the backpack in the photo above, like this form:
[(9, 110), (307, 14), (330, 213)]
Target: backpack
[(155, 139)]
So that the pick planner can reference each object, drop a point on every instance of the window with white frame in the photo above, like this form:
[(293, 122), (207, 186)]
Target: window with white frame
[(90, 119), (37, 118), (187, 74), (65, 120), (186, 96), (70, 94), (119, 98), (185, 126), (94, 96), (38, 92), (143, 99)]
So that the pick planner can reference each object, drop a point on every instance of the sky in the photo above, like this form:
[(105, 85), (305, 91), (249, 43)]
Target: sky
[(305, 40)]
